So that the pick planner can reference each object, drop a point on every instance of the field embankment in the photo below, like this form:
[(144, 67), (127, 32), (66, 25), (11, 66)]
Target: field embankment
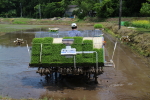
[(139, 40)]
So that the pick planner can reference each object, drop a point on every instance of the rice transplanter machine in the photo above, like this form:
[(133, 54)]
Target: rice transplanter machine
[(69, 55)]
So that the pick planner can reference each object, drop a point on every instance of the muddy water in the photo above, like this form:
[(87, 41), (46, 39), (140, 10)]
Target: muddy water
[(129, 80)]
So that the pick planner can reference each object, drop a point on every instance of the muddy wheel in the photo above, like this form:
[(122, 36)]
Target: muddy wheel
[(47, 77), (89, 76), (55, 77), (95, 78)]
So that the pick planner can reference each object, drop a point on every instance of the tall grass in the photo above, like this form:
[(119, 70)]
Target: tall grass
[(141, 24)]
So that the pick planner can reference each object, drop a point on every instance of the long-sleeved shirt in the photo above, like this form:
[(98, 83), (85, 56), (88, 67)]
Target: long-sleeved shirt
[(74, 33)]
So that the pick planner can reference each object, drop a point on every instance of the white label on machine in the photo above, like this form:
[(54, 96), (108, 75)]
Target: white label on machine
[(71, 51)]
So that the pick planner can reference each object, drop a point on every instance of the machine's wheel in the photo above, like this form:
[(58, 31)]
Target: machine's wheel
[(95, 78), (55, 77), (47, 77)]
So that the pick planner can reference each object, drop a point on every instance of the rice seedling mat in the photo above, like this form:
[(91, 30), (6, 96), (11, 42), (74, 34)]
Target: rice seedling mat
[(46, 52)]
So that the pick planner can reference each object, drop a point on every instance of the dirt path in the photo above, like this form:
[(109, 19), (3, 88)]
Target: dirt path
[(130, 78)]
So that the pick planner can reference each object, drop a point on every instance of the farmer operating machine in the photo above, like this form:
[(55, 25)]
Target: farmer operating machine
[(68, 55)]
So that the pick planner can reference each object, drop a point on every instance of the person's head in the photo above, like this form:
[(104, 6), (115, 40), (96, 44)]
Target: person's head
[(74, 26)]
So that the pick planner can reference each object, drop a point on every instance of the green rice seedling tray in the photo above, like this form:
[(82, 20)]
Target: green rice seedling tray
[(45, 53)]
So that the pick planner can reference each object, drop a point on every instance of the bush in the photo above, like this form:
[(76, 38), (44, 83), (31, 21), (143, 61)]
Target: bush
[(126, 23), (98, 26), (141, 24)]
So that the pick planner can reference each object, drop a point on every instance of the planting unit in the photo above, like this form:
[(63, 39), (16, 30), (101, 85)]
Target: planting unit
[(48, 56)]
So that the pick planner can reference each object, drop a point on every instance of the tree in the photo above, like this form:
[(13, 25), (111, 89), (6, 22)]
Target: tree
[(131, 7), (7, 8), (54, 9), (115, 5), (65, 3), (85, 7), (50, 8), (145, 9), (104, 9)]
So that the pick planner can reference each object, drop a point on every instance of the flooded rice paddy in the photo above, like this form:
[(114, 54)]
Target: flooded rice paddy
[(129, 80)]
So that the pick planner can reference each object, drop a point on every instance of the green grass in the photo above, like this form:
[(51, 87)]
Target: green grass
[(143, 30), (110, 32), (21, 21), (5, 28)]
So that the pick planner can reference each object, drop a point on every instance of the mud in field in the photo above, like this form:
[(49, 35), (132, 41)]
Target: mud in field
[(129, 80)]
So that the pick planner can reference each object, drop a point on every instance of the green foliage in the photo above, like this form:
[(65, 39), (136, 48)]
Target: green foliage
[(8, 8), (65, 3), (145, 9), (126, 23), (83, 6), (141, 24), (53, 31), (131, 8), (104, 9), (54, 9), (98, 26)]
